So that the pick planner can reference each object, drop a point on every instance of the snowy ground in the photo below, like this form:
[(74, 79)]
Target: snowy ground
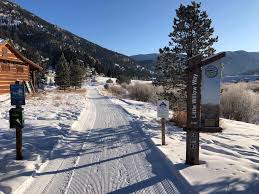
[(140, 81), (102, 80), (48, 120), (229, 160), (108, 153)]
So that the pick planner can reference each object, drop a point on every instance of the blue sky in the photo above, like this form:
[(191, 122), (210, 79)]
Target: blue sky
[(142, 26)]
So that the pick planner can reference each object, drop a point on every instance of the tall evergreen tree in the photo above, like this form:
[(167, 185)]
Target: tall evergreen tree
[(76, 75), (88, 72), (192, 34), (62, 78)]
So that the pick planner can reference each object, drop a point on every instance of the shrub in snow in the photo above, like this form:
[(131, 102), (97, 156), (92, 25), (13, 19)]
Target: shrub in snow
[(180, 118), (109, 81), (106, 86), (142, 92), (93, 80), (124, 85), (238, 103), (123, 79), (117, 90)]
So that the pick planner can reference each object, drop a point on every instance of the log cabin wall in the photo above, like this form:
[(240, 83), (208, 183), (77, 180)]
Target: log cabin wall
[(11, 69)]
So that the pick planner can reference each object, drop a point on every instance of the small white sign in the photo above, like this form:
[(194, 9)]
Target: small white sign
[(163, 109)]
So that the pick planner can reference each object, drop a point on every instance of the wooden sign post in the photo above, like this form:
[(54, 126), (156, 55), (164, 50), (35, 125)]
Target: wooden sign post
[(16, 115), (163, 113), (19, 155), (163, 131), (193, 110), (193, 126)]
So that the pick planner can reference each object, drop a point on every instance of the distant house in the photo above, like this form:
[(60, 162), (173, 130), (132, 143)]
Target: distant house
[(50, 76), (14, 66)]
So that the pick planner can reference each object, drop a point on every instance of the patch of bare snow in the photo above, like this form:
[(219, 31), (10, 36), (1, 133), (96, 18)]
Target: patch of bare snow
[(102, 80), (140, 81), (48, 119)]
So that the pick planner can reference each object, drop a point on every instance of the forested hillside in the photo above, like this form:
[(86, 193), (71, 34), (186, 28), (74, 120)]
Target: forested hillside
[(43, 43)]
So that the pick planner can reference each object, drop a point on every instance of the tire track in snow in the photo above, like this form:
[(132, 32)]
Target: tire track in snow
[(103, 183), (122, 167), (87, 118), (57, 175), (115, 158)]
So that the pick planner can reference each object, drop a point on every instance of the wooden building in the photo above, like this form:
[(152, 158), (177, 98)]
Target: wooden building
[(14, 66)]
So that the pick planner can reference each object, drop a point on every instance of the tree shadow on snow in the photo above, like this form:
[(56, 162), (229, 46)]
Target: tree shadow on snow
[(231, 185), (37, 141)]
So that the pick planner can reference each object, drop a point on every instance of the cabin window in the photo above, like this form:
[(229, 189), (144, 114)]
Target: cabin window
[(5, 67), (20, 69)]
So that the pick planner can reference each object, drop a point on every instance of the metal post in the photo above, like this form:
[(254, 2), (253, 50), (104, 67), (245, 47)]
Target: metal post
[(163, 130)]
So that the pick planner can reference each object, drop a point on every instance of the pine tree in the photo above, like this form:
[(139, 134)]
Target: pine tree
[(88, 72), (109, 74), (62, 78), (191, 35), (76, 76)]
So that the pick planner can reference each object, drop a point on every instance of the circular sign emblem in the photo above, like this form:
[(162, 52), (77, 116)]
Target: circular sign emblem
[(211, 71)]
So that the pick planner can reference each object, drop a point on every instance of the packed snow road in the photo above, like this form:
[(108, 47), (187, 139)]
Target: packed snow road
[(111, 156)]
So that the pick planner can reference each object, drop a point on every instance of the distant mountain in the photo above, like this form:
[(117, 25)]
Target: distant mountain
[(43, 43), (145, 57), (240, 62), (235, 62), (252, 72), (148, 61)]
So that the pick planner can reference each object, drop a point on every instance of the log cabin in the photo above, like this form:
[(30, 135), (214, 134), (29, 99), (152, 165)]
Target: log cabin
[(14, 66)]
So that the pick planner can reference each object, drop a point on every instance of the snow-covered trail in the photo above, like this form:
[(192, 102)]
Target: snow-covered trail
[(112, 157)]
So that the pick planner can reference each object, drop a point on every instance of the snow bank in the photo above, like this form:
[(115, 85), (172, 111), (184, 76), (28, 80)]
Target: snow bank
[(229, 160), (103, 80), (140, 81), (48, 119), (4, 97)]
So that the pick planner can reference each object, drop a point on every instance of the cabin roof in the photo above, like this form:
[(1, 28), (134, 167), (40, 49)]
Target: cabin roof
[(9, 45)]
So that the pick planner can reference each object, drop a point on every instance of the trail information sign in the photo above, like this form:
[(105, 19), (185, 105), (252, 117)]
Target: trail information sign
[(16, 118), (17, 94), (203, 91), (163, 109), (210, 95)]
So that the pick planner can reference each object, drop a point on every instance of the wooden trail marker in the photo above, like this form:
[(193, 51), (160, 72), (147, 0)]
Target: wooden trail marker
[(193, 111), (163, 113), (194, 97)]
